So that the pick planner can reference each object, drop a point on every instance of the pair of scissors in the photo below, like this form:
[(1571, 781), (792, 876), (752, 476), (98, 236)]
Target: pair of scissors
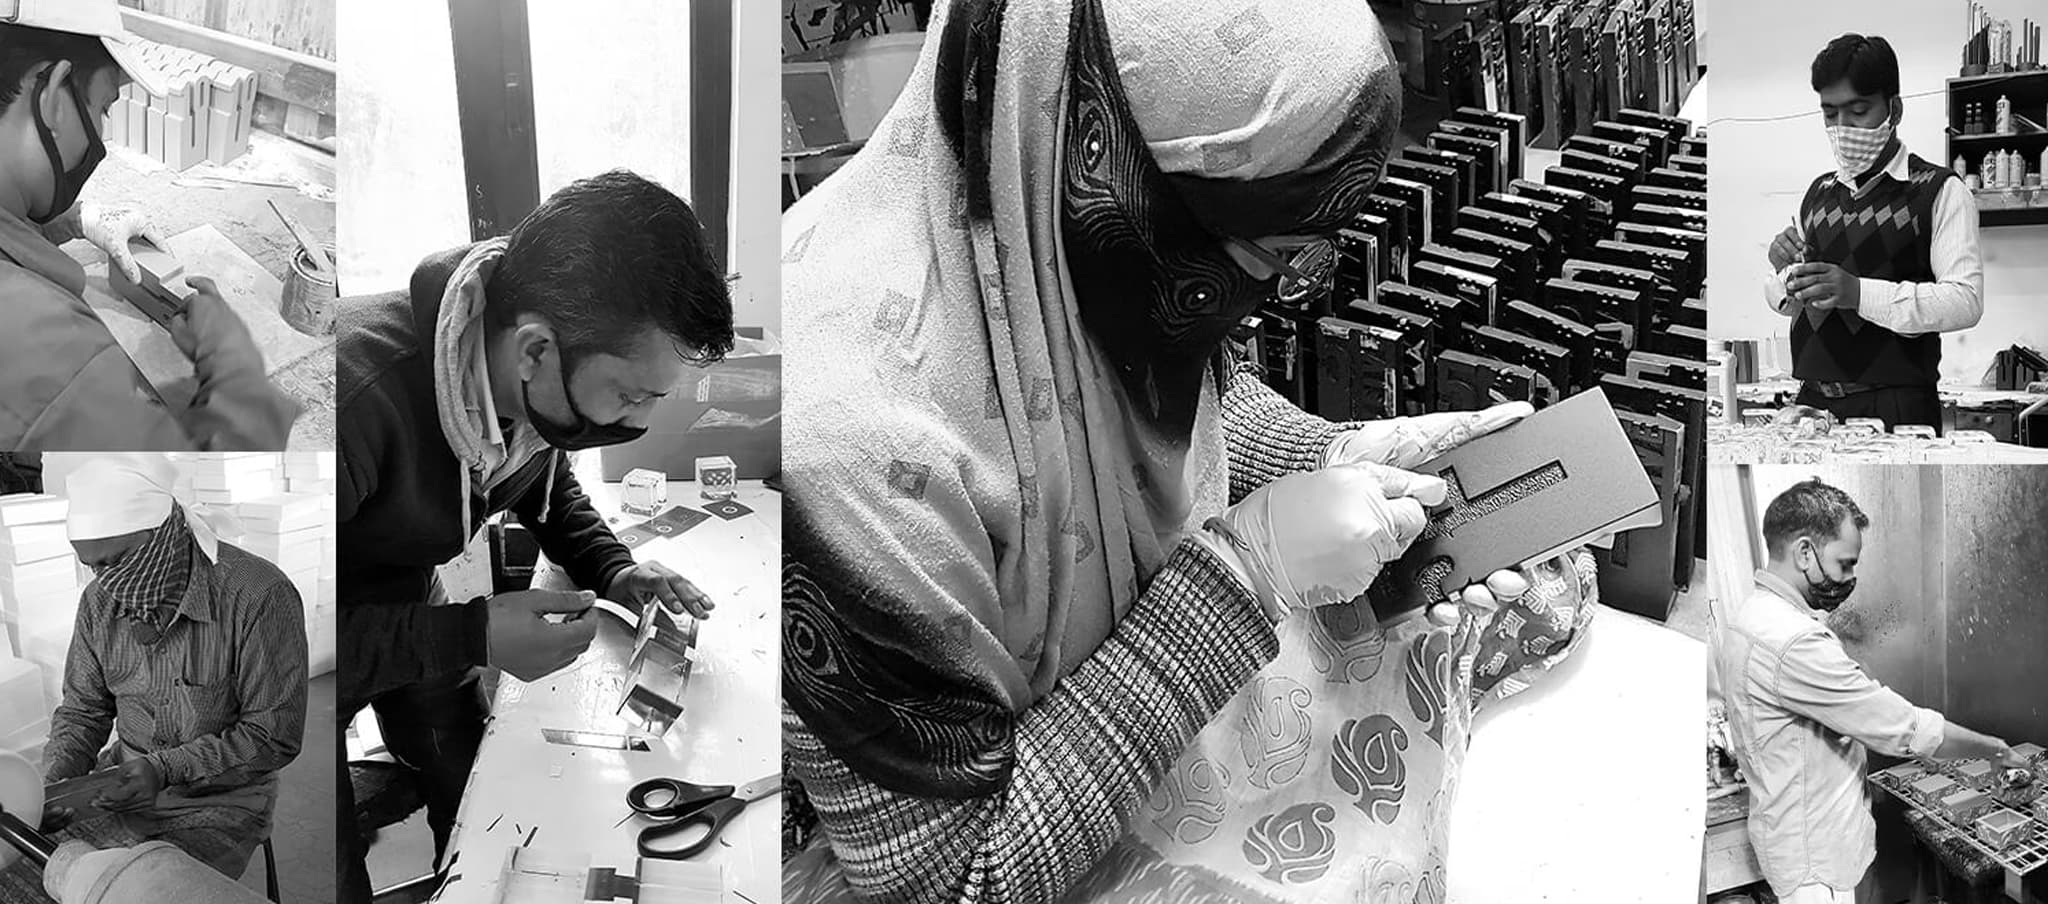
[(677, 806)]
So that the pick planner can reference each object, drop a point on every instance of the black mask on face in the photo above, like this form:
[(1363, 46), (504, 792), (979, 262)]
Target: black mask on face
[(584, 433), (72, 181), (1826, 594)]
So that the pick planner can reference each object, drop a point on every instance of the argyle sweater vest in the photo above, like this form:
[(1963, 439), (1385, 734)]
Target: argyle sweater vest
[(1885, 233)]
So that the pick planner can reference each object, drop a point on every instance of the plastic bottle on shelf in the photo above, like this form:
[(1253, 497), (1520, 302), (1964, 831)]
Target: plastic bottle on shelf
[(1990, 170), (1961, 166), (1969, 119), (2004, 115)]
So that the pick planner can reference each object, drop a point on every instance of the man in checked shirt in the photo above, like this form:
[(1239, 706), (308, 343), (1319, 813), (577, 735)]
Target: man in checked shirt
[(192, 652)]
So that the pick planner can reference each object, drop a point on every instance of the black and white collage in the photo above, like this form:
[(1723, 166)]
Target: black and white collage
[(1266, 451)]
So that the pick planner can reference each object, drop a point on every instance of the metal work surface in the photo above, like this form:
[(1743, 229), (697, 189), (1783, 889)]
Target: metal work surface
[(2022, 858)]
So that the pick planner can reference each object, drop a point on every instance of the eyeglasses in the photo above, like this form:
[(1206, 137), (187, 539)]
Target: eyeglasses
[(1303, 264)]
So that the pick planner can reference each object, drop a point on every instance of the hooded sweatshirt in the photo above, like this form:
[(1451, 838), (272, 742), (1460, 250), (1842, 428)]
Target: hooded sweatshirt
[(406, 504)]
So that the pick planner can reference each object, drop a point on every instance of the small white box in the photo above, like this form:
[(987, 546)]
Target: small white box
[(34, 551), (717, 478), (28, 534), (643, 492), (285, 512), (33, 508), (21, 692)]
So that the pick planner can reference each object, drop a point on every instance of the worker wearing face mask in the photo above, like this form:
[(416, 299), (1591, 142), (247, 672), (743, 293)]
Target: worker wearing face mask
[(1802, 713), (67, 385), (1884, 258)]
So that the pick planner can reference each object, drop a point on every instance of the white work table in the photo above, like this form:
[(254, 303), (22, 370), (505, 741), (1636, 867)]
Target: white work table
[(571, 799)]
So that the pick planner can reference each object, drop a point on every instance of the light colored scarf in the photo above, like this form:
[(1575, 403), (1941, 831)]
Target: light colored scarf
[(462, 388)]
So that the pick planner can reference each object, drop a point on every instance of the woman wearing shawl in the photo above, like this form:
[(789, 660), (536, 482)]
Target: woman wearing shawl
[(1018, 599)]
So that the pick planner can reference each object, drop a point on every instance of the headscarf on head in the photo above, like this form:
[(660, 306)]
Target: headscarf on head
[(1002, 316), (116, 495)]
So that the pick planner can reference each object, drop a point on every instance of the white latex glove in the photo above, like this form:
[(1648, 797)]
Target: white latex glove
[(1504, 586), (1407, 442), (110, 228), (1320, 537)]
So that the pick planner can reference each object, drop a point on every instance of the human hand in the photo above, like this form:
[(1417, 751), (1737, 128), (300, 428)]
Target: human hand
[(56, 819), (236, 406), (1408, 442), (1787, 249), (1320, 537), (528, 646), (138, 784), (650, 582), (110, 228), (1825, 287), (2011, 759)]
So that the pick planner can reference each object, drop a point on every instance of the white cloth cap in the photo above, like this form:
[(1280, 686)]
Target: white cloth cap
[(98, 18), (1242, 89), (117, 494)]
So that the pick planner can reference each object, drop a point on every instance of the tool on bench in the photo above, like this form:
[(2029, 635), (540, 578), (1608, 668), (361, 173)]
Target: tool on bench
[(677, 806), (317, 252)]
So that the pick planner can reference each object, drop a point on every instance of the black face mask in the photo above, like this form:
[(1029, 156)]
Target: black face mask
[(1826, 594), (584, 433), (69, 182)]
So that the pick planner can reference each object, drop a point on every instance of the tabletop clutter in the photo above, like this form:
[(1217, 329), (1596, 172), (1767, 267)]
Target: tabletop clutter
[(2002, 811)]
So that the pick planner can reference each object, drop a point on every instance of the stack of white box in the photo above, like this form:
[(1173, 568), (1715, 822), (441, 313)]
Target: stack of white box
[(39, 586), (234, 478), (312, 474)]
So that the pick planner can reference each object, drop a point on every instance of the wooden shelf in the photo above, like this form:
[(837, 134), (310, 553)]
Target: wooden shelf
[(2028, 93), (1993, 138), (2012, 216)]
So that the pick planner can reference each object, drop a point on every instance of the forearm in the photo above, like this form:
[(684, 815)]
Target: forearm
[(84, 718), (1959, 743), (384, 647), (573, 534), (270, 665), (1912, 309), (76, 736), (1084, 757), (1268, 437)]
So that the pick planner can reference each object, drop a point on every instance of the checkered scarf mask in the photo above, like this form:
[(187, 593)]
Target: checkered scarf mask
[(152, 576), (1856, 149)]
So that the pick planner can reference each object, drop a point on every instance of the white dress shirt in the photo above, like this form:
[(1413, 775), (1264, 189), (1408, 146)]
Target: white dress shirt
[(1954, 301)]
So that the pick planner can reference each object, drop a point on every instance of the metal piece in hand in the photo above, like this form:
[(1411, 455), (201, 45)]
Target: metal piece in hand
[(659, 672)]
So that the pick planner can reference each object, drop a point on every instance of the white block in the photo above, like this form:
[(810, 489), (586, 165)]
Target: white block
[(27, 573), (322, 487), (31, 734), (37, 551), (21, 693), (307, 583), (25, 534), (32, 508), (237, 495), (286, 512)]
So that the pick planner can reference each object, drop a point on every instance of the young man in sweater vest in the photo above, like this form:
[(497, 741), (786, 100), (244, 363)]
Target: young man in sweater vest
[(1885, 256)]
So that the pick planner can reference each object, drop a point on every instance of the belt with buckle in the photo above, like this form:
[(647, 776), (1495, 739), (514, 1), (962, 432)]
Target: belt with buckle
[(1836, 390)]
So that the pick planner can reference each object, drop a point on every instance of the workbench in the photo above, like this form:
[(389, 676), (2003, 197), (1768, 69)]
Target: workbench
[(1586, 786), (1995, 411), (568, 803), (1730, 860), (301, 365)]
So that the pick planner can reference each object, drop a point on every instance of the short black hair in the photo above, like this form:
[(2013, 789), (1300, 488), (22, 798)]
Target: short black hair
[(24, 50), (1809, 509), (609, 260), (1867, 62)]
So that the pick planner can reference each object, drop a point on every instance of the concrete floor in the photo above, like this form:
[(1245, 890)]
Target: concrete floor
[(303, 828)]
